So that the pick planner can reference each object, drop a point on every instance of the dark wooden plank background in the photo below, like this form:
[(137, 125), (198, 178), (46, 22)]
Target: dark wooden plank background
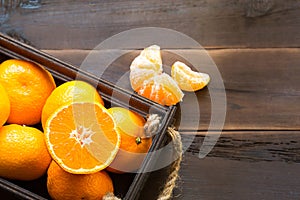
[(254, 43), (81, 24)]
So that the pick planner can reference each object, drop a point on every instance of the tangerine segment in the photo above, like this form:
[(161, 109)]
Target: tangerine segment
[(82, 137), (161, 89), (187, 79), (142, 62), (138, 76), (149, 58)]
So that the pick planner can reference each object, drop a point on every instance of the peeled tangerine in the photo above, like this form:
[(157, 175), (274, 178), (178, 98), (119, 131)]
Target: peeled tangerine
[(147, 79), (187, 79)]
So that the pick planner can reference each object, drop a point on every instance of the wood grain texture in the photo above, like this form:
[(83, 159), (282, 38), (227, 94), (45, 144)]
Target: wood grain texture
[(262, 86), (248, 146), (214, 24), (242, 165), (220, 178)]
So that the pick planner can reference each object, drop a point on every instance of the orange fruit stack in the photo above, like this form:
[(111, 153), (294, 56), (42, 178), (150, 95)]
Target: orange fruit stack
[(82, 139), (80, 135), (24, 89)]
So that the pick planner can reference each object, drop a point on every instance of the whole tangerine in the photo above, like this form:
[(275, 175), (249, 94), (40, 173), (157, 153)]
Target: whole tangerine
[(24, 155), (67, 186), (28, 86)]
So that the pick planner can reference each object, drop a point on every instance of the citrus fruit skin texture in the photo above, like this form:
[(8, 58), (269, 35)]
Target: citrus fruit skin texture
[(134, 144), (82, 137), (187, 79), (72, 91), (62, 185), (23, 151), (4, 106), (28, 86), (148, 80)]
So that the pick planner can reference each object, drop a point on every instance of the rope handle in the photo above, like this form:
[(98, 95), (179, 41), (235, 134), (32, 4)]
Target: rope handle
[(151, 126)]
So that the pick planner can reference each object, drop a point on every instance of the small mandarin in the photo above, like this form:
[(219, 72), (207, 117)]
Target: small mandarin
[(28, 86), (134, 144), (62, 185), (23, 151)]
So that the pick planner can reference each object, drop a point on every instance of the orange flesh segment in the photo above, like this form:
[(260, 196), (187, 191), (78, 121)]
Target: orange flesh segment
[(187, 79)]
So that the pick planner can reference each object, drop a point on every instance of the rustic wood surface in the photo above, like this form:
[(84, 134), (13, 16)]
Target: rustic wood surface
[(254, 44), (218, 24)]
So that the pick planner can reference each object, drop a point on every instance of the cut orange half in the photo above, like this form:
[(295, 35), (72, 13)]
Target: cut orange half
[(187, 79), (82, 137)]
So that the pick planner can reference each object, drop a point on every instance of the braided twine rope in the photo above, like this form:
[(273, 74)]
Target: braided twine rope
[(151, 127)]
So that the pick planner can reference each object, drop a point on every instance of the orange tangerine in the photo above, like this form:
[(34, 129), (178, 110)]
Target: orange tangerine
[(65, 186), (187, 79), (4, 106), (71, 91), (24, 155), (81, 137), (28, 86), (134, 143)]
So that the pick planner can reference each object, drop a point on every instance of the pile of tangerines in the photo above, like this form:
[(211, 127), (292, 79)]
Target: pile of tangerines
[(80, 139)]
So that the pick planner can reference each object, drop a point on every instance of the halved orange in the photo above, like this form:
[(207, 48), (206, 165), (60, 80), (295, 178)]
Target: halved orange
[(187, 79), (81, 137)]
